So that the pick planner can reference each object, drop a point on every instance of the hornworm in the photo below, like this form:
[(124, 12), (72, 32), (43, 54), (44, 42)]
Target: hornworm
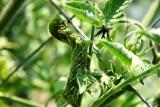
[(58, 29)]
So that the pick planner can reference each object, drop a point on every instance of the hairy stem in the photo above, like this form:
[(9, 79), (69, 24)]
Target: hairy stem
[(120, 86), (19, 100), (114, 96)]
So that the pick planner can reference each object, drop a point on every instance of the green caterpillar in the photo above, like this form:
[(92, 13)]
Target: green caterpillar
[(58, 29)]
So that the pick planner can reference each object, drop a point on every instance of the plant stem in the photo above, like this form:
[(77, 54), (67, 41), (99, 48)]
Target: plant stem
[(155, 22), (148, 18), (114, 96), (9, 13), (114, 90), (19, 100), (154, 53), (91, 46), (132, 89)]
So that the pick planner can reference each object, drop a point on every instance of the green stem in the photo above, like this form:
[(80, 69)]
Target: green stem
[(9, 12), (148, 18), (91, 46), (19, 100), (155, 54), (114, 90)]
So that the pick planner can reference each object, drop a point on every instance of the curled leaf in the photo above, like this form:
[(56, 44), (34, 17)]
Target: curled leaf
[(126, 57), (153, 35)]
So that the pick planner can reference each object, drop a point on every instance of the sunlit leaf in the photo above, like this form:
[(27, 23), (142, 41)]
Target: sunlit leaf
[(114, 9), (125, 56), (104, 60), (85, 11)]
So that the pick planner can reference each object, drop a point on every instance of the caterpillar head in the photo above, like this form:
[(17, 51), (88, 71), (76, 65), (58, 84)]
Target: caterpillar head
[(57, 24), (58, 29)]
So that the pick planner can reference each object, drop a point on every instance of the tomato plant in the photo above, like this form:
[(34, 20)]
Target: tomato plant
[(96, 54)]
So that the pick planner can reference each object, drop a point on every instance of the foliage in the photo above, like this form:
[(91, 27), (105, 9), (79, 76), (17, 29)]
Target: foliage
[(37, 69), (85, 11), (114, 9)]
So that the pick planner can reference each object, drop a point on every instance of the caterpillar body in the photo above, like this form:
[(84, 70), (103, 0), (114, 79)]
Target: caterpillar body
[(58, 29)]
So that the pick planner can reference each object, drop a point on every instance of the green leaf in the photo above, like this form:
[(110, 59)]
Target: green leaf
[(126, 57), (104, 60), (86, 12), (153, 35), (56, 87), (114, 9), (84, 80)]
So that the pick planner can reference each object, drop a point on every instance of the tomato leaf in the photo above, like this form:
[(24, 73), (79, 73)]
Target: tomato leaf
[(126, 57), (84, 80), (85, 11), (153, 35), (114, 9)]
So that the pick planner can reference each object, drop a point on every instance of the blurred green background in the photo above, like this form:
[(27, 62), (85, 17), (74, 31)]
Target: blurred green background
[(45, 75)]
